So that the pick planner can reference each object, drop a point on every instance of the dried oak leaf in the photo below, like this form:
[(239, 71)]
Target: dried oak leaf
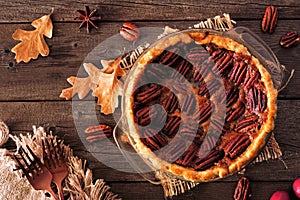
[(32, 42), (82, 87), (109, 87), (104, 83)]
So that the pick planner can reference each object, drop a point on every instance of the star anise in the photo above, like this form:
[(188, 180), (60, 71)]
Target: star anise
[(88, 18)]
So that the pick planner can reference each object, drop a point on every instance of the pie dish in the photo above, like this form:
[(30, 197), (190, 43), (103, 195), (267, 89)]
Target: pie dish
[(199, 105)]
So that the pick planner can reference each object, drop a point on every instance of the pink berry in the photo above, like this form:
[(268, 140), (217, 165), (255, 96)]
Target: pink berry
[(296, 187), (280, 195)]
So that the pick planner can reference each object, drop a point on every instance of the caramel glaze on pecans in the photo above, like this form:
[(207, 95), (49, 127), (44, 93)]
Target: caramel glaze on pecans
[(188, 118)]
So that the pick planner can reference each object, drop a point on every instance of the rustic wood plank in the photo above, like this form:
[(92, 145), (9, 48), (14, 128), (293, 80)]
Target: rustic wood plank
[(43, 79), (20, 116), (22, 11), (212, 191)]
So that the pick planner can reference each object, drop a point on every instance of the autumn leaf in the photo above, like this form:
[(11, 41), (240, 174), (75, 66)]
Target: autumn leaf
[(32, 42), (80, 86), (109, 87), (103, 82)]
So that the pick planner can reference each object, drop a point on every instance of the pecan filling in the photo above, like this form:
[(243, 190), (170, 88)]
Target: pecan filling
[(191, 136)]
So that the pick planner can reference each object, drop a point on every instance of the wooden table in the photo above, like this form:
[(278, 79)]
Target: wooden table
[(30, 92)]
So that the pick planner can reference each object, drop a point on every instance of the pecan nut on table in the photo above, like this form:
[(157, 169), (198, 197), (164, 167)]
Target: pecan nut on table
[(289, 39), (242, 190), (130, 31), (98, 133), (269, 20)]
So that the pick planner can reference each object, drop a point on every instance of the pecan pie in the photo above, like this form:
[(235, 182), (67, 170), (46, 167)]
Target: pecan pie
[(199, 105)]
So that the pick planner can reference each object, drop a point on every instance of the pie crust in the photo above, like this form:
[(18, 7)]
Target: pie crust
[(259, 103)]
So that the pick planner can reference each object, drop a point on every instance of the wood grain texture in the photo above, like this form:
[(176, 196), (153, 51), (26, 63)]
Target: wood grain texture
[(26, 11), (20, 116), (29, 92), (43, 79), (212, 191)]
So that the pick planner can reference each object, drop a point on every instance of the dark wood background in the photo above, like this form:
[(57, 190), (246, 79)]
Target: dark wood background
[(30, 92)]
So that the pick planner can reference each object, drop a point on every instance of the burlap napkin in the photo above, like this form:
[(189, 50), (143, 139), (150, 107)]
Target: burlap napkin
[(78, 185)]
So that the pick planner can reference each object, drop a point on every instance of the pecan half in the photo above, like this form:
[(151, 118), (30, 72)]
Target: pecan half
[(209, 160), (237, 145), (247, 123), (217, 54), (191, 132), (173, 151), (223, 59), (232, 95), (150, 93), (188, 104), (197, 54), (153, 71), (198, 76), (172, 126), (183, 68), (289, 39), (238, 72), (170, 103), (269, 20), (179, 88), (218, 124), (257, 100), (213, 85), (98, 133), (153, 141), (202, 71), (170, 57), (143, 116), (130, 31), (252, 76), (242, 190), (210, 87), (190, 155), (209, 142), (203, 90), (235, 113), (203, 113)]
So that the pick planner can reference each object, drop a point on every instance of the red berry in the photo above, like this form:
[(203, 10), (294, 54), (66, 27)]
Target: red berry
[(296, 187), (280, 195)]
